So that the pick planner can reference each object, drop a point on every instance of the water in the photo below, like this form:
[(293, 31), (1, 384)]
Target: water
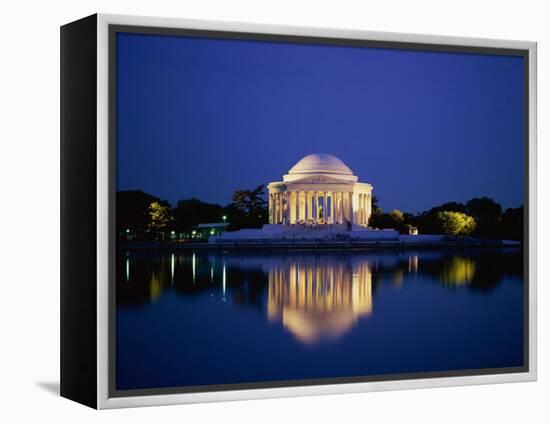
[(187, 318)]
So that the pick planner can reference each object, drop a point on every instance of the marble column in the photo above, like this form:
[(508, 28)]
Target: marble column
[(369, 204), (364, 209), (332, 208), (316, 208), (270, 208), (324, 203), (277, 208), (351, 207), (288, 196), (296, 207), (300, 207), (338, 207), (306, 207), (361, 208), (280, 208)]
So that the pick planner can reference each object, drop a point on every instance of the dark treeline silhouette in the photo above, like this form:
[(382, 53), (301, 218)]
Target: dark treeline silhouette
[(143, 216), (479, 217)]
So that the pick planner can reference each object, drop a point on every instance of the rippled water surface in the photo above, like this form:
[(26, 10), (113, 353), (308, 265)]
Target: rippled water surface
[(204, 317)]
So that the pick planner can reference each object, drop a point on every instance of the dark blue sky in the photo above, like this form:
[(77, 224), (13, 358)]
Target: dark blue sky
[(203, 117)]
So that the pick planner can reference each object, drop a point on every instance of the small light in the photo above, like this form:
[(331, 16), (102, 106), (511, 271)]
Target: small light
[(173, 232), (212, 232), (127, 230), (224, 217), (194, 232)]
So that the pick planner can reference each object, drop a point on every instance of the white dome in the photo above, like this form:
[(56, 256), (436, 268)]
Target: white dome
[(320, 164)]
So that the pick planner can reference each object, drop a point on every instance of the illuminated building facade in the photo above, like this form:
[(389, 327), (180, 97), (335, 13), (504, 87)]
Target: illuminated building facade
[(320, 189)]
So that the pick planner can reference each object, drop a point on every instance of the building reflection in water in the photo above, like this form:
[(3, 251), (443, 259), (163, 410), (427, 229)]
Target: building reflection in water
[(314, 296), (319, 299)]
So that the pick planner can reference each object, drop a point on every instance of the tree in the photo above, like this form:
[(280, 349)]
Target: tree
[(190, 212), (455, 223), (249, 209), (511, 224), (487, 213), (250, 201), (450, 206), (132, 212), (396, 216), (161, 217), (392, 220), (375, 204)]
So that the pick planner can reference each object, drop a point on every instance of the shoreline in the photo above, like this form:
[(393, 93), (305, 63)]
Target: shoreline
[(315, 245)]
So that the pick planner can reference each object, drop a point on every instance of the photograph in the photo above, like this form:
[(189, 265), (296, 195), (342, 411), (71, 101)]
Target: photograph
[(294, 211)]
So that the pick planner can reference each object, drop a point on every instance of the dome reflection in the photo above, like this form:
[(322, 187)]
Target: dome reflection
[(319, 299)]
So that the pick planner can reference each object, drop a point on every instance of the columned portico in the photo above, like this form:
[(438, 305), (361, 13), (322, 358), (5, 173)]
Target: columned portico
[(320, 190)]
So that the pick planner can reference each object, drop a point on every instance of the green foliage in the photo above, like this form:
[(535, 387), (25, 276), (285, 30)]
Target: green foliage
[(145, 216), (375, 204), (450, 206), (250, 201), (189, 213), (248, 209), (132, 212), (392, 220), (161, 216), (455, 223), (397, 216)]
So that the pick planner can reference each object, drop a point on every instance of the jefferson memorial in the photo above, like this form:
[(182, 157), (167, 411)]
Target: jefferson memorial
[(320, 189), (319, 201)]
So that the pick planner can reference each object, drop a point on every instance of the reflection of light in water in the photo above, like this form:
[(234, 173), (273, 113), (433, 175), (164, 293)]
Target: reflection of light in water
[(458, 271), (194, 270), (397, 277), (127, 269), (155, 287), (211, 274), (172, 265), (319, 300), (223, 279), (413, 264)]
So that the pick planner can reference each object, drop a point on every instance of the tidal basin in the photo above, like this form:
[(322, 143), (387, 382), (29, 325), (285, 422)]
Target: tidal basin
[(211, 317)]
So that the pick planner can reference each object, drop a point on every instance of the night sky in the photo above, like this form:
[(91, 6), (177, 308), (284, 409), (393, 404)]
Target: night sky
[(203, 117)]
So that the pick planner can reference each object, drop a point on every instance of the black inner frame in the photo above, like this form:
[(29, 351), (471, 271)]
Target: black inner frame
[(112, 54)]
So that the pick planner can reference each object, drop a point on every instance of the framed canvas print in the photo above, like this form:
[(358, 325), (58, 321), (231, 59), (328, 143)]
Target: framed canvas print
[(254, 211)]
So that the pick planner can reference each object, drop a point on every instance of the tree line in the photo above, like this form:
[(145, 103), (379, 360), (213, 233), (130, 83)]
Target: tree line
[(480, 217), (146, 216)]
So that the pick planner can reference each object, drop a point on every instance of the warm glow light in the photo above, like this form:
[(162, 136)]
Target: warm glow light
[(194, 267), (172, 266), (319, 300), (458, 271), (223, 280)]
